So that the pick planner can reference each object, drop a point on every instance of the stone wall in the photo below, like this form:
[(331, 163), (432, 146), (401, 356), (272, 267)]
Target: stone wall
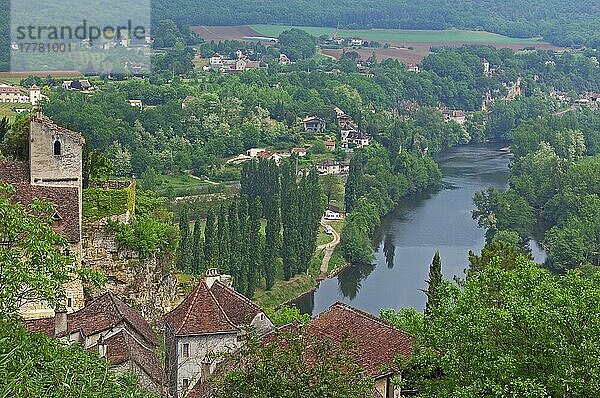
[(146, 284)]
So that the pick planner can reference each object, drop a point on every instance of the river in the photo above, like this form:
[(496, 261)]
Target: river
[(408, 238)]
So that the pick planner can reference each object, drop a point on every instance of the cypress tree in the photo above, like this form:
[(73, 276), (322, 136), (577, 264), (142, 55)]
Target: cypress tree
[(289, 214), (197, 251), (223, 241), (241, 282), (210, 241), (273, 232), (234, 240), (184, 232), (254, 245), (433, 284)]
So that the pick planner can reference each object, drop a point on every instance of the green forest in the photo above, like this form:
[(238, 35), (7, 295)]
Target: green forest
[(563, 23)]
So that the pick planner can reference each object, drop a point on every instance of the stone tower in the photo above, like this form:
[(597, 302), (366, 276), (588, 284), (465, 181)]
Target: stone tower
[(35, 95), (56, 173)]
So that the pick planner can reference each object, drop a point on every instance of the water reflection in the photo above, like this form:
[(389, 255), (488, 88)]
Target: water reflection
[(409, 237), (349, 280), (389, 250)]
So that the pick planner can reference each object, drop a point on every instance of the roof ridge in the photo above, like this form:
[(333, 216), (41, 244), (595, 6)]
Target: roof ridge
[(222, 310), (194, 298), (238, 294), (367, 315)]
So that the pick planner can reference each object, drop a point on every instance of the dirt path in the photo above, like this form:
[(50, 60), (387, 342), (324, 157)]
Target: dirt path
[(328, 250)]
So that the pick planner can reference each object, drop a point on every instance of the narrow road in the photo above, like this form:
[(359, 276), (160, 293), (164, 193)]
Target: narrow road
[(328, 250)]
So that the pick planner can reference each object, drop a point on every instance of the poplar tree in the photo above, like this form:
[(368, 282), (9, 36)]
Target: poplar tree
[(241, 282), (289, 216), (197, 251), (273, 232), (223, 241), (234, 240), (210, 241), (182, 250), (255, 250)]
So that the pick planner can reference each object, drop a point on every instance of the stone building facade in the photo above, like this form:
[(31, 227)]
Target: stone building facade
[(210, 320), (53, 173), (113, 330)]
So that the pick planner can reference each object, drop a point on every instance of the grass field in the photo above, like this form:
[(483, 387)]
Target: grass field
[(7, 109), (401, 35)]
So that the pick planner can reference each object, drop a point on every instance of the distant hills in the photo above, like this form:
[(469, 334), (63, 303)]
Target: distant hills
[(564, 23)]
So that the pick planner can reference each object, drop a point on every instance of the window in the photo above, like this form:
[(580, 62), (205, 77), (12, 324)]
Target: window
[(57, 148), (56, 216), (69, 302), (186, 384), (186, 350)]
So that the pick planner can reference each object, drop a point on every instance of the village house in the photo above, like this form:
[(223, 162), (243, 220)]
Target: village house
[(136, 103), (354, 139), (284, 60), (413, 68), (112, 329), (186, 101), (355, 42), (210, 320), (330, 145), (54, 173), (253, 152), (455, 115), (329, 167), (13, 94), (377, 343), (81, 85), (332, 213), (313, 124), (301, 152)]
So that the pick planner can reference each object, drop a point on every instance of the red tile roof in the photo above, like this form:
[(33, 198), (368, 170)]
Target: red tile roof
[(66, 199), (104, 313), (378, 342), (199, 313), (239, 309), (121, 347)]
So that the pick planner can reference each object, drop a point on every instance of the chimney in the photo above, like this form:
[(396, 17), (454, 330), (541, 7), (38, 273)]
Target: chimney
[(205, 372), (212, 275), (60, 321), (101, 347)]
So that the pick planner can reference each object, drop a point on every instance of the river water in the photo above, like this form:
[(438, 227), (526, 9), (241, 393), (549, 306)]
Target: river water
[(408, 238)]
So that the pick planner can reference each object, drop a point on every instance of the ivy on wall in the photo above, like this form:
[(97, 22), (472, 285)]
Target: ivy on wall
[(99, 203)]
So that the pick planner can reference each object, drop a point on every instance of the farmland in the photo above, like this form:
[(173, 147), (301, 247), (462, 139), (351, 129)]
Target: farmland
[(402, 36), (409, 46)]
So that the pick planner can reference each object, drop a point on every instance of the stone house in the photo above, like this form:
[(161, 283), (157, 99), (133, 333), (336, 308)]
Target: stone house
[(53, 173), (356, 139), (330, 145), (12, 94), (112, 329), (377, 343), (458, 116), (209, 320), (313, 124), (301, 152), (333, 213), (329, 167)]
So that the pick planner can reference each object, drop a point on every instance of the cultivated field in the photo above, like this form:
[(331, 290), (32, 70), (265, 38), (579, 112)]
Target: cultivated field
[(401, 35), (409, 46)]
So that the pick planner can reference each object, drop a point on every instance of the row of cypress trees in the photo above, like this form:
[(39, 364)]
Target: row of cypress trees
[(233, 240)]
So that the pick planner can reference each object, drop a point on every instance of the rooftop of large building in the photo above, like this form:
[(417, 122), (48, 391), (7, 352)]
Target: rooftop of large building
[(211, 310)]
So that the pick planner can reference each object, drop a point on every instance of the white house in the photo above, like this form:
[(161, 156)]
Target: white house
[(210, 320), (333, 213), (253, 152)]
